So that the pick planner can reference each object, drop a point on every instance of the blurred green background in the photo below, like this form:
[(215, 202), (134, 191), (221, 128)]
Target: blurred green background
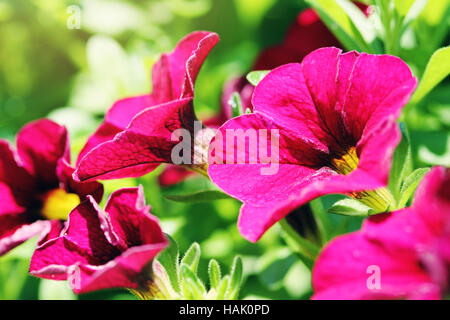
[(74, 75)]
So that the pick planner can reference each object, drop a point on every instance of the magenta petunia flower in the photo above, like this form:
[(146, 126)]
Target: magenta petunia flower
[(333, 120), (100, 249), (399, 255), (136, 134), (36, 185)]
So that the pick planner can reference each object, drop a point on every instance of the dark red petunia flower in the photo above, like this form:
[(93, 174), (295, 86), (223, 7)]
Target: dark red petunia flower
[(135, 137), (101, 249), (36, 185)]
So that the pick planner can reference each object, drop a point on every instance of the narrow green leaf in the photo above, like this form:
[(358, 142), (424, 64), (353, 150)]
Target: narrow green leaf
[(438, 68), (193, 287), (364, 28), (339, 23), (403, 6), (401, 163), (236, 105), (254, 77), (223, 287), (169, 258), (195, 291), (410, 185), (214, 274), (202, 196), (192, 257), (435, 12), (161, 286), (235, 279), (350, 207), (414, 11)]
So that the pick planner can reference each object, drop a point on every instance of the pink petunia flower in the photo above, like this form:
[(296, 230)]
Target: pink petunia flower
[(399, 255), (100, 249), (136, 135), (333, 117), (36, 185)]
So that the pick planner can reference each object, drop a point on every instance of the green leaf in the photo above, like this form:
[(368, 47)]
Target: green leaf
[(192, 257), (401, 164), (403, 6), (214, 274), (339, 23), (414, 11), (435, 12), (236, 105), (169, 259), (193, 287), (410, 185), (255, 77), (364, 28), (223, 287), (235, 279), (202, 196), (162, 287), (350, 207), (438, 68), (273, 275)]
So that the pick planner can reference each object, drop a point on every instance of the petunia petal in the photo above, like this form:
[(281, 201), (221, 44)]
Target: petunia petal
[(175, 73), (131, 218), (40, 144), (82, 189), (139, 149), (432, 201), (18, 230), (376, 148), (13, 175), (344, 269), (124, 271), (105, 132), (116, 120), (260, 212), (371, 90), (284, 97)]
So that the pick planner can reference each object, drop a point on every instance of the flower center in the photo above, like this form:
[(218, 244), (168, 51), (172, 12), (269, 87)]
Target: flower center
[(58, 203), (380, 199), (346, 163)]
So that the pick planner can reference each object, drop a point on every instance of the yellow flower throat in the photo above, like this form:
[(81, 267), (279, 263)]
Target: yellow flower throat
[(380, 199), (58, 203)]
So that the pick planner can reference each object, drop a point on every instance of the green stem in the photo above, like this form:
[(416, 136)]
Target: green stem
[(298, 243), (322, 220)]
